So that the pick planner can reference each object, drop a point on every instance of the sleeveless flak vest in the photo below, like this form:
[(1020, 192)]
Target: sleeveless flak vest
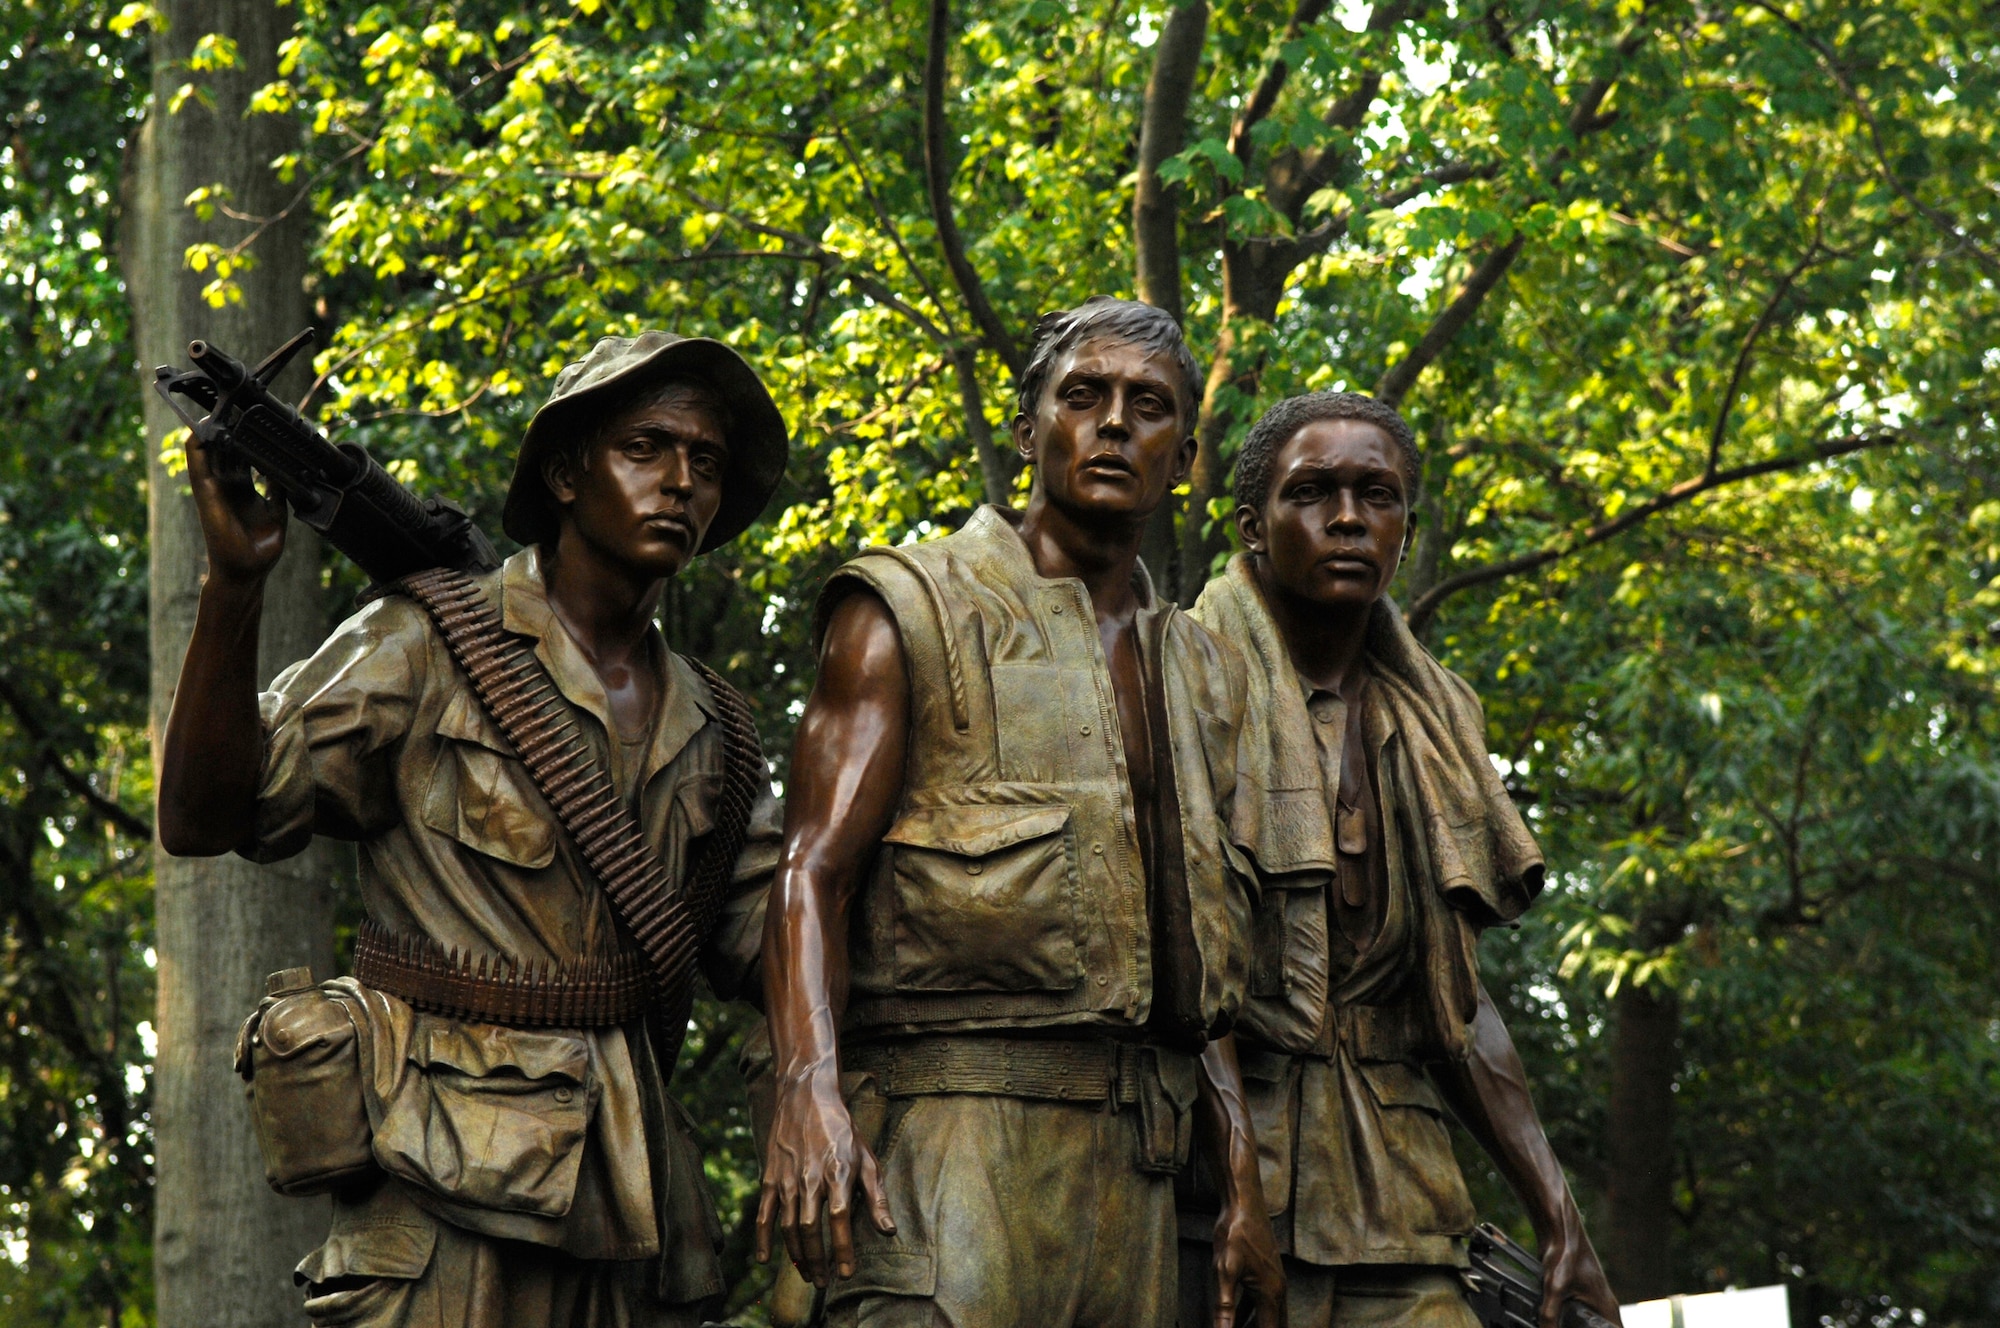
[(1011, 889)]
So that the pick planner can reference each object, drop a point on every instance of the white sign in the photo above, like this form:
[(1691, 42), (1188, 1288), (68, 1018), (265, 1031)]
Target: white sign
[(1758, 1307)]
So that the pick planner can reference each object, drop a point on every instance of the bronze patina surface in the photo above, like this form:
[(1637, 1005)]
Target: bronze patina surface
[(1384, 842), (1011, 906), (527, 1175)]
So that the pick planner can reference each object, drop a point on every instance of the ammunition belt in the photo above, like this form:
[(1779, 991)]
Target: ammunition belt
[(494, 989), (536, 719), (1041, 1069)]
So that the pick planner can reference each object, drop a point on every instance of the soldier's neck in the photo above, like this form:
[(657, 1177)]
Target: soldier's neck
[(1103, 554), (1327, 642), (607, 608)]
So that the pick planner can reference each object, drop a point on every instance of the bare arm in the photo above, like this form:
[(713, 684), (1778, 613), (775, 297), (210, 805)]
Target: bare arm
[(1246, 1249), (847, 778), (1489, 1094), (213, 750)]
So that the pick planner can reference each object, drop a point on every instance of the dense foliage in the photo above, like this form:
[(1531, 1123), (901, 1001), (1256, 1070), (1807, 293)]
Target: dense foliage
[(1694, 308), (75, 873)]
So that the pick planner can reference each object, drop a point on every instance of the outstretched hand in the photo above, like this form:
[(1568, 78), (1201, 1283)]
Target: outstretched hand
[(1570, 1272), (810, 1167), (243, 529)]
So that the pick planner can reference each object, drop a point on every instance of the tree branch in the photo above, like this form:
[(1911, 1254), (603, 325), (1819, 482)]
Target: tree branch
[(1742, 368), (1264, 98), (1426, 605), (1396, 383), (1584, 119), (937, 172), (1162, 130), (38, 734), (1936, 216)]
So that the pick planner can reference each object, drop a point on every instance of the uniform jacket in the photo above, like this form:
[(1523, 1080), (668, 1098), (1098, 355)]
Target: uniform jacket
[(1010, 890), (564, 1138), (1350, 1131)]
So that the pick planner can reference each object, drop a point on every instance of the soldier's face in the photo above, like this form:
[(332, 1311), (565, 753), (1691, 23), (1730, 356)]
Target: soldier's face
[(650, 485), (1108, 436), (1334, 525)]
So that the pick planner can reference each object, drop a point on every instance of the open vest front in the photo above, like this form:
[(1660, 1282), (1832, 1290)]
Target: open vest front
[(1011, 889)]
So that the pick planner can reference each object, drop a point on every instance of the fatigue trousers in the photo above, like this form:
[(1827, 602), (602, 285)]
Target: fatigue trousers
[(1354, 1296), (401, 1267), (1012, 1213)]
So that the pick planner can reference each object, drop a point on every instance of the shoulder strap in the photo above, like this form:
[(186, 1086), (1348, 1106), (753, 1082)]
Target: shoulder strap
[(524, 702)]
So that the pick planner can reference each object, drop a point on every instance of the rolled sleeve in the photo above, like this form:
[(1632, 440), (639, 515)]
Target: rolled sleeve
[(332, 726)]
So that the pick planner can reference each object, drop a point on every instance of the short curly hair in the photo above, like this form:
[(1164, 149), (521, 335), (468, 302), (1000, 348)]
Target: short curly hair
[(1278, 425), (1107, 318)]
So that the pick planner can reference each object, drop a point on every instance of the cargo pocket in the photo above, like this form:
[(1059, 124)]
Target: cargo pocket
[(1270, 1087), (1419, 1146), (480, 793), (881, 1270), (495, 1119), (365, 1275), (985, 899)]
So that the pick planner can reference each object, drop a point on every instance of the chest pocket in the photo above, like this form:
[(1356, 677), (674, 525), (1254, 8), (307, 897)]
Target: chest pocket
[(480, 792), (985, 899)]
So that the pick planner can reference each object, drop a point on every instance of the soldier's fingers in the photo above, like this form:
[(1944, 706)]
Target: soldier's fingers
[(812, 1233), (1225, 1292), (878, 1198), (788, 1222), (1271, 1312), (767, 1216)]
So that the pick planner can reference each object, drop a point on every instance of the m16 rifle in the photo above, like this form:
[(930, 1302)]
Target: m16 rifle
[(341, 492), (1504, 1285)]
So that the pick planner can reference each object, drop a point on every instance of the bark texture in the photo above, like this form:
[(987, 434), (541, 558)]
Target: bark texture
[(1644, 1056), (224, 1243)]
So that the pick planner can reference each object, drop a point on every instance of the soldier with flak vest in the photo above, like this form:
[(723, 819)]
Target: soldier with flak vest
[(1010, 922)]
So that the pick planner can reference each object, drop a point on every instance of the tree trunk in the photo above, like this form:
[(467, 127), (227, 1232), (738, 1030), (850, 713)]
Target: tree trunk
[(224, 1243), (1156, 229), (1250, 292), (1644, 1058)]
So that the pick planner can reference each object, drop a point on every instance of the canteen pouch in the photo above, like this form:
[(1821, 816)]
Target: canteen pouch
[(301, 1062), (1166, 1110)]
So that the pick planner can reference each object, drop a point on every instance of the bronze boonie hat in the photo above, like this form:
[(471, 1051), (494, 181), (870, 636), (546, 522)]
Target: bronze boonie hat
[(616, 368)]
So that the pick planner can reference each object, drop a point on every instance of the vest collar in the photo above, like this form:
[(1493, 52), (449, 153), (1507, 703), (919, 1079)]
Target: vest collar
[(998, 529)]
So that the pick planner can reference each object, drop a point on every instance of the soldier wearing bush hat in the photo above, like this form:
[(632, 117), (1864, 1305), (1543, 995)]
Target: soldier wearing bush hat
[(519, 1162)]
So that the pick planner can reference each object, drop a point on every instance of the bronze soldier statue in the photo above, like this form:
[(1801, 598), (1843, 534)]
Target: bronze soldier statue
[(1385, 843), (1010, 911), (519, 1162)]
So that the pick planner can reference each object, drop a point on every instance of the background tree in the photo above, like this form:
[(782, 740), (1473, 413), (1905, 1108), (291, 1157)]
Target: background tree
[(1693, 306), (215, 247)]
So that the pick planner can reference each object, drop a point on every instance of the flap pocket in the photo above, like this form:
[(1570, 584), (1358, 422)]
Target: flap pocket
[(1400, 1084), (985, 899), (486, 800), (974, 832), (496, 1119), (383, 1249), (886, 1271), (465, 720), (481, 1050)]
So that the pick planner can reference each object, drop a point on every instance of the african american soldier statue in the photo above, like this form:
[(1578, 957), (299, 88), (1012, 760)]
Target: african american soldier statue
[(1384, 843), (1012, 909), (506, 1154)]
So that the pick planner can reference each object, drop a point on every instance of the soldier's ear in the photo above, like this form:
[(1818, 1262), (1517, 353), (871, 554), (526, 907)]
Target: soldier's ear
[(1250, 528), (1190, 448), (1024, 437), (558, 478)]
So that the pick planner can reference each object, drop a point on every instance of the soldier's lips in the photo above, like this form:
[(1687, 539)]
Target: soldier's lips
[(1107, 464), (1349, 561), (668, 524)]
